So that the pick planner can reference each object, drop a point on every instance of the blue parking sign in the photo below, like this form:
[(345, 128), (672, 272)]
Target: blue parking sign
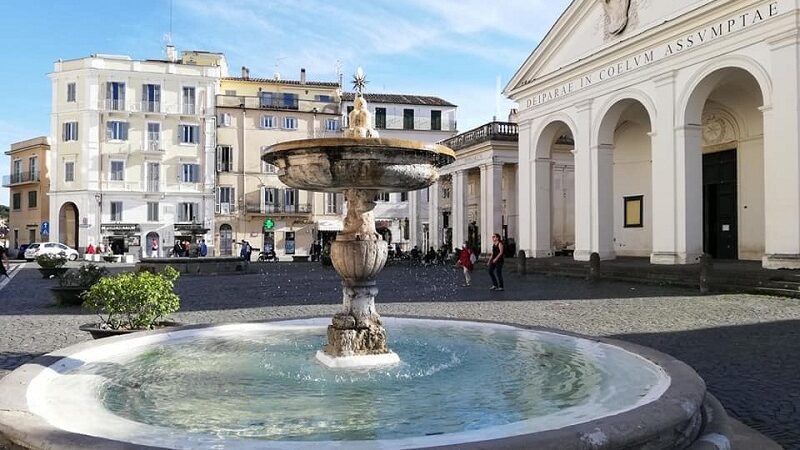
[(44, 228)]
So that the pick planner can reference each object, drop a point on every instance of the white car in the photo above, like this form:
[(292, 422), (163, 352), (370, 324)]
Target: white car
[(40, 248)]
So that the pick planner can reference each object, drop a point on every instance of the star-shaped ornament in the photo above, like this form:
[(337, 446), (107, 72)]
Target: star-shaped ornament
[(360, 81)]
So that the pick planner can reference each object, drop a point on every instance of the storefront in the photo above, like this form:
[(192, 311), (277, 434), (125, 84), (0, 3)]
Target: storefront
[(121, 238)]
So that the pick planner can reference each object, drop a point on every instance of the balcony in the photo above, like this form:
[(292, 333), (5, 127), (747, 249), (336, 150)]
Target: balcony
[(277, 209), (151, 107), (302, 105), (20, 178), (493, 131), (152, 147)]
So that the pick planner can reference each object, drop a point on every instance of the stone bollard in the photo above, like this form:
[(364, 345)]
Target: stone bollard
[(594, 267), (706, 266), (522, 263)]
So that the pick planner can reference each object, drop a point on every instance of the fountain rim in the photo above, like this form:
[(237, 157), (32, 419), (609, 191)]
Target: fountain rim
[(678, 407), (334, 142)]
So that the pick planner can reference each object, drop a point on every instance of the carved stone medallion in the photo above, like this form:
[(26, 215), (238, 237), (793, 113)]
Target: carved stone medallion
[(617, 12)]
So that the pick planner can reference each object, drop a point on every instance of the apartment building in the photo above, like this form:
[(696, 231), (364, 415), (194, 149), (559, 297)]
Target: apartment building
[(28, 183), (403, 218), (251, 202), (133, 150)]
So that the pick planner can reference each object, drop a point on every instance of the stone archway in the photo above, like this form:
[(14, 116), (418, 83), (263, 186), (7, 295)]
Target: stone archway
[(225, 240), (153, 251), (68, 225)]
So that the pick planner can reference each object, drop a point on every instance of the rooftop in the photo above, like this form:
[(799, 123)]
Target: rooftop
[(289, 82), (405, 99)]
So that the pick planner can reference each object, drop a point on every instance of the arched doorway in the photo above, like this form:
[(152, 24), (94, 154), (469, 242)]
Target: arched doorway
[(553, 222), (152, 245), (68, 224), (727, 151), (225, 240), (624, 182)]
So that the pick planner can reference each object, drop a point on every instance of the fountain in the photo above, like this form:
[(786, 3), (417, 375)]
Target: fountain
[(448, 384), (360, 165)]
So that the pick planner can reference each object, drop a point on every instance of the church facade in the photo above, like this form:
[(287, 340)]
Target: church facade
[(682, 122)]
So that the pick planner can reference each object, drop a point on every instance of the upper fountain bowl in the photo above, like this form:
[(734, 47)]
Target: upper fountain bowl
[(338, 164)]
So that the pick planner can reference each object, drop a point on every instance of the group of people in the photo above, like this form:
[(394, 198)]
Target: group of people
[(467, 259), (183, 249)]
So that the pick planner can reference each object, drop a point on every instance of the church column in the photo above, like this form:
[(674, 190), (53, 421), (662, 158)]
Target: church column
[(491, 204), (434, 230), (541, 200), (602, 199), (782, 156), (525, 190), (459, 208), (583, 182), (413, 219)]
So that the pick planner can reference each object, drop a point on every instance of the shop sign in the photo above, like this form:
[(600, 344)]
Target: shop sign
[(191, 227), (119, 227)]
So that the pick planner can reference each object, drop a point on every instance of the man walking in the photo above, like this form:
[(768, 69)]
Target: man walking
[(496, 263), (466, 259)]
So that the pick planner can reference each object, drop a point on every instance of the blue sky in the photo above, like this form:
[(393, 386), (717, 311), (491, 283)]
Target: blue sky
[(454, 49)]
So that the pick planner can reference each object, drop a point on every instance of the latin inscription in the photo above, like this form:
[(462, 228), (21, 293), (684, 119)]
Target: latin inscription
[(679, 45)]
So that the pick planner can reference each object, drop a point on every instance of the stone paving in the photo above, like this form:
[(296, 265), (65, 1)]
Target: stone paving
[(746, 347)]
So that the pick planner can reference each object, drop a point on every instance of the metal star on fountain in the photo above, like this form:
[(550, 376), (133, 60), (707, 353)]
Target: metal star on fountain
[(360, 81)]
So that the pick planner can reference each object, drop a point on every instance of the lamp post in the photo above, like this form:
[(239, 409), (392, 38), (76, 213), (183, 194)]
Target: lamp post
[(99, 199)]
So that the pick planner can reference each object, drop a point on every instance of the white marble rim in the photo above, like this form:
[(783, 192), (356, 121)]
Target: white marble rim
[(78, 410)]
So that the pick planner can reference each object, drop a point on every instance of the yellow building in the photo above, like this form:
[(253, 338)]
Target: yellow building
[(251, 203), (28, 183)]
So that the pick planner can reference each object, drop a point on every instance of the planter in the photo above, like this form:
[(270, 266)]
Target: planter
[(99, 333), (68, 295), (52, 272)]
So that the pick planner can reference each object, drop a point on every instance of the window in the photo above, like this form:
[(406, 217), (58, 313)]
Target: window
[(446, 192), (115, 96), (404, 196), (117, 170), (224, 158), (225, 199), (278, 100), (267, 122), (268, 168), (189, 134), (69, 171), (436, 120), (16, 200), (380, 118), (33, 167), (190, 173), (117, 131), (265, 99), (224, 120), (270, 196), (633, 211), (187, 212), (116, 211), (290, 200), (70, 92), (151, 98), (408, 119), (323, 98), (188, 100), (153, 141), (331, 124), (382, 197), (330, 203), (32, 199), (152, 211), (70, 131), (289, 101), (18, 168), (289, 123)]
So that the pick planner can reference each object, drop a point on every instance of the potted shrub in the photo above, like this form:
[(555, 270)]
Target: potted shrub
[(51, 264), (132, 301), (73, 283), (109, 256)]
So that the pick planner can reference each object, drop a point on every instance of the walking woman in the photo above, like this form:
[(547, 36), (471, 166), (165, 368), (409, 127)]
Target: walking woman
[(496, 263)]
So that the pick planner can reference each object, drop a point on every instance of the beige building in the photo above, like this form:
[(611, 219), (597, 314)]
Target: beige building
[(28, 183), (251, 202)]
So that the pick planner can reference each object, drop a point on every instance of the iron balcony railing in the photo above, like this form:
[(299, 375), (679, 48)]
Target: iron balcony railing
[(152, 107), (301, 208), (22, 177), (493, 131)]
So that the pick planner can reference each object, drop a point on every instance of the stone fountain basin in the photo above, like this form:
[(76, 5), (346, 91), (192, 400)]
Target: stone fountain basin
[(674, 417), (338, 164)]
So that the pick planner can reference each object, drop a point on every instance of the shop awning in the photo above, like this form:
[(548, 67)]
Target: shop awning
[(330, 225)]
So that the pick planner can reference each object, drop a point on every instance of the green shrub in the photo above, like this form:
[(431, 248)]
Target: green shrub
[(51, 260), (84, 276), (134, 300)]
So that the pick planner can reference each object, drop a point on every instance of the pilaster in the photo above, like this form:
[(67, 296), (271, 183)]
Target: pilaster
[(459, 218), (491, 203)]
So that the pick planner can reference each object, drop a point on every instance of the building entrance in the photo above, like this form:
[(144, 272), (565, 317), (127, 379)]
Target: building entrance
[(720, 227)]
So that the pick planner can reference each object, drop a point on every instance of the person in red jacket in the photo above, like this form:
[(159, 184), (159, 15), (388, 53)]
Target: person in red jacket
[(466, 260)]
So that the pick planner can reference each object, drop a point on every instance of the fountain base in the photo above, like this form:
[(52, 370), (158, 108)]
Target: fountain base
[(357, 361)]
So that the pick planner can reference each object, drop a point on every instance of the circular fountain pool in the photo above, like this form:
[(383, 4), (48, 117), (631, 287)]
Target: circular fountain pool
[(258, 385)]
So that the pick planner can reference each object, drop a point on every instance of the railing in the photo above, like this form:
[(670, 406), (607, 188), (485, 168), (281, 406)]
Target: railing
[(153, 186), (153, 146), (22, 177), (189, 108), (302, 208), (115, 104), (152, 107), (239, 101), (493, 131), (397, 122)]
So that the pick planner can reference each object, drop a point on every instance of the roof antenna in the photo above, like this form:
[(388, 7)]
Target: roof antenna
[(277, 74), (172, 55)]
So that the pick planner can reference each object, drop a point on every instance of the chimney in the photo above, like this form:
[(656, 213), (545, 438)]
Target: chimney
[(303, 76), (245, 73), (172, 54)]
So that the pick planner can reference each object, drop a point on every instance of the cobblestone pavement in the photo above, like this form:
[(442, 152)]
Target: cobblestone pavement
[(746, 347)]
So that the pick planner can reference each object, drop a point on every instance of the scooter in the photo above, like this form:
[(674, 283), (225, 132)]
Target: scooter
[(267, 257)]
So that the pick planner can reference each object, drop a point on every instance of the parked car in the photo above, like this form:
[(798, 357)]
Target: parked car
[(38, 248)]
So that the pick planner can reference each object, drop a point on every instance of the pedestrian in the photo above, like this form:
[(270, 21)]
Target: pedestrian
[(4, 263), (203, 247), (466, 260), (496, 263), (244, 252), (177, 250), (154, 248), (90, 249)]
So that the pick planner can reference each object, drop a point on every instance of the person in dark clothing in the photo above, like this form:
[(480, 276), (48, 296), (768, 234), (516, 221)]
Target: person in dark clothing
[(4, 263), (496, 263)]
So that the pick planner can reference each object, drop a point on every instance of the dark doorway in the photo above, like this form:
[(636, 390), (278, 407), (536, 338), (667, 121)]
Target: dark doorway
[(68, 225), (720, 205)]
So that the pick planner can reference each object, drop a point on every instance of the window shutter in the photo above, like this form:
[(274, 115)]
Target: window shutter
[(124, 131), (109, 93), (219, 160)]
